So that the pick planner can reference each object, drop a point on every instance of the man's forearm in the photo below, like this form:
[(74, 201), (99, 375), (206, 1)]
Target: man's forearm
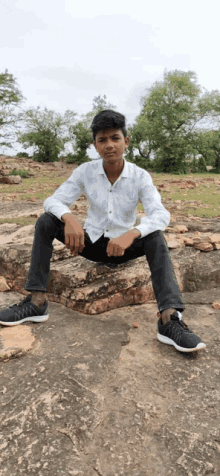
[(135, 233), (69, 217)]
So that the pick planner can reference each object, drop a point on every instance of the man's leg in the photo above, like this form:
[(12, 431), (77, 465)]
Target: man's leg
[(164, 281), (172, 329), (35, 307)]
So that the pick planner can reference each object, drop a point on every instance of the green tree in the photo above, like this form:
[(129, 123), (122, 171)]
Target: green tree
[(10, 98), (47, 132), (82, 134), (171, 110)]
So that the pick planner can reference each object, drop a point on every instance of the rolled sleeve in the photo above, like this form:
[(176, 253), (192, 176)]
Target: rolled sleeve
[(157, 217), (66, 194)]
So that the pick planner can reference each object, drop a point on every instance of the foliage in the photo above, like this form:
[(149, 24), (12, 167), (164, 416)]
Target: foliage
[(171, 110), (10, 98), (47, 131), (22, 154), (83, 140), (22, 173)]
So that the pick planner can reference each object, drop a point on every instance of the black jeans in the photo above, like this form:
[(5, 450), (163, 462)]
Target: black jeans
[(153, 246)]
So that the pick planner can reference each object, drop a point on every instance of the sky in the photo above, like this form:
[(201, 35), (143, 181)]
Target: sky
[(64, 52)]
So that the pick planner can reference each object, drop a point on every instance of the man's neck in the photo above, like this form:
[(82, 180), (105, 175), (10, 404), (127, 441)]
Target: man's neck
[(113, 170)]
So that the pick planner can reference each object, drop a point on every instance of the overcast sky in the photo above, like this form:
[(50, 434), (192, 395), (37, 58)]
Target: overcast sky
[(65, 52)]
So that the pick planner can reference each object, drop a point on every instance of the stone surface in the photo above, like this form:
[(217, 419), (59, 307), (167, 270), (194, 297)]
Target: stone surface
[(3, 284), (15, 341), (91, 288), (96, 396), (11, 179)]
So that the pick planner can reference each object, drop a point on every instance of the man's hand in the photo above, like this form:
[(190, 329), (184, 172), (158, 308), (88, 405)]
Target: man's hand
[(117, 246), (74, 234)]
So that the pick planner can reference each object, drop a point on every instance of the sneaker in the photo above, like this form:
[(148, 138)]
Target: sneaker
[(23, 312), (175, 332)]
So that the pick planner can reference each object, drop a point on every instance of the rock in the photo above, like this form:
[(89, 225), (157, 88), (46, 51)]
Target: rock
[(204, 246), (188, 241), (3, 284), (135, 325), (180, 229), (192, 183), (24, 234), (216, 305), (93, 289), (15, 341), (11, 179), (173, 242), (215, 238)]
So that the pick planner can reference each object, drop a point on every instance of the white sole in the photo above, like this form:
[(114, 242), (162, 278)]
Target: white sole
[(26, 319), (167, 340)]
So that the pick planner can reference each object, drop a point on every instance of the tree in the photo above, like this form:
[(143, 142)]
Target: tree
[(171, 110), (82, 133), (10, 98), (139, 140), (47, 132)]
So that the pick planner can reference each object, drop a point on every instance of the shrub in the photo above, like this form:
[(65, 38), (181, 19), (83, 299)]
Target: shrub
[(22, 154), (22, 173), (79, 158)]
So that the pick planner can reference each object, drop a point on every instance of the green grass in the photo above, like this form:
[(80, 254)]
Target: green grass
[(207, 192), (23, 221), (46, 182), (39, 187)]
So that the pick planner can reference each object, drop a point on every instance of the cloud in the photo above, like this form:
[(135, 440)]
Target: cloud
[(16, 23)]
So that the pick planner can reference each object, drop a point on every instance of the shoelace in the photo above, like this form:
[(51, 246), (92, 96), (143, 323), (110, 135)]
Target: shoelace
[(179, 321), (26, 300)]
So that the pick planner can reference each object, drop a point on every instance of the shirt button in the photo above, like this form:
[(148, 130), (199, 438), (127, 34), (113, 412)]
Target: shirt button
[(110, 212)]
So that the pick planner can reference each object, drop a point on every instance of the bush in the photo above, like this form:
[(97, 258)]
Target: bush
[(79, 158), (70, 158), (40, 157), (22, 173), (22, 154)]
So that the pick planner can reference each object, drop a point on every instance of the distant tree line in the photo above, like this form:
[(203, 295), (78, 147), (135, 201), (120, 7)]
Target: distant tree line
[(177, 130)]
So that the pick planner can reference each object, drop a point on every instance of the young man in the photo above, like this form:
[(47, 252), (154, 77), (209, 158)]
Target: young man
[(113, 187)]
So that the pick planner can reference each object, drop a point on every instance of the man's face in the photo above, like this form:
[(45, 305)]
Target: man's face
[(110, 145)]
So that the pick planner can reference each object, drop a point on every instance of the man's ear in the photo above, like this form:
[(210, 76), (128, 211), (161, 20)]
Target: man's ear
[(127, 141), (94, 145)]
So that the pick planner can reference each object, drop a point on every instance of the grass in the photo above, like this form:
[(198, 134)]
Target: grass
[(45, 182), (207, 194), (39, 187), (22, 221)]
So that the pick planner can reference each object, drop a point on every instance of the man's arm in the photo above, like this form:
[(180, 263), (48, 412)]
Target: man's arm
[(66, 194), (117, 246), (74, 233), (157, 217)]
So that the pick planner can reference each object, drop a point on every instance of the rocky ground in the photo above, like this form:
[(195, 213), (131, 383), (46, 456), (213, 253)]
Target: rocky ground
[(91, 391)]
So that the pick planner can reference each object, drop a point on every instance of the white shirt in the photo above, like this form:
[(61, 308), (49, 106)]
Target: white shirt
[(112, 208)]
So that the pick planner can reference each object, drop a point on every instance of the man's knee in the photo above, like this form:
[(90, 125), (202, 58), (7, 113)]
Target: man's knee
[(45, 220)]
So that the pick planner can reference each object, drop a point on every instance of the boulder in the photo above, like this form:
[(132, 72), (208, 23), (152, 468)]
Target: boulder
[(93, 288), (3, 284), (11, 179)]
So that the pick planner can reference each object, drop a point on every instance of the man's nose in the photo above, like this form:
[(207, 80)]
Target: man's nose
[(109, 145)]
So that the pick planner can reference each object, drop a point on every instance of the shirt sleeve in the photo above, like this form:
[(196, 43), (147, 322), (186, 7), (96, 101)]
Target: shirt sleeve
[(66, 194), (157, 217)]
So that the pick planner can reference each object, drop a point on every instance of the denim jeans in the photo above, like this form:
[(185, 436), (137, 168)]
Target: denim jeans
[(153, 246)]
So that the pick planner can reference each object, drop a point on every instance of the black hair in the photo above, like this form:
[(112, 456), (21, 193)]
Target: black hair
[(108, 119)]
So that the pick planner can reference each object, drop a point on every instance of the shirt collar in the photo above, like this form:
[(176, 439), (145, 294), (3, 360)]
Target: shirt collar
[(124, 173)]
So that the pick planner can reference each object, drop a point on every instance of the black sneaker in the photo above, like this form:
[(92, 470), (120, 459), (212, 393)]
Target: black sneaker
[(175, 332), (24, 311)]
